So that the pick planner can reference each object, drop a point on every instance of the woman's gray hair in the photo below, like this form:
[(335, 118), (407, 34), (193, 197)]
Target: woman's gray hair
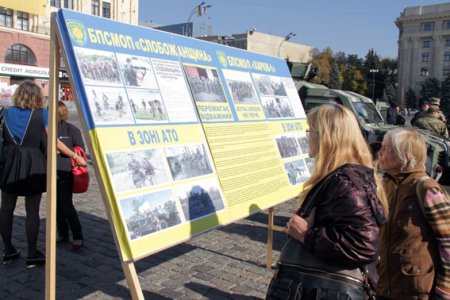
[(409, 147)]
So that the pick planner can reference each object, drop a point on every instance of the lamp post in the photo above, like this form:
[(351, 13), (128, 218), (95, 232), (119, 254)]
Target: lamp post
[(199, 7), (373, 71), (285, 39)]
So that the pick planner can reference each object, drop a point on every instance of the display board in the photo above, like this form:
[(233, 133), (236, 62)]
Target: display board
[(186, 135)]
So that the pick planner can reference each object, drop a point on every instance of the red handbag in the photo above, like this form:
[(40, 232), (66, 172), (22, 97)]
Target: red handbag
[(80, 174)]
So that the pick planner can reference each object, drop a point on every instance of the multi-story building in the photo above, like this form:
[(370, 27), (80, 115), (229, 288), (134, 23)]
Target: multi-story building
[(423, 46), (25, 35)]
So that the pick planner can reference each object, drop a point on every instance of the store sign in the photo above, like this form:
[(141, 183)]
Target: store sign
[(24, 71)]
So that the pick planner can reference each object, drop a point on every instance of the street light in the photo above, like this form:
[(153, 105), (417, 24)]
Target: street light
[(286, 38), (199, 7), (373, 71)]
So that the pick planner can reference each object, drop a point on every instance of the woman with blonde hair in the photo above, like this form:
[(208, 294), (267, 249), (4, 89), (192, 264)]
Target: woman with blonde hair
[(23, 167), (334, 234), (415, 248)]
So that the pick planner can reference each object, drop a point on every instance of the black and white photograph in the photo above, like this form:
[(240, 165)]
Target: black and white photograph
[(131, 170), (205, 84), (241, 86), (297, 171), (200, 199), (269, 85), (277, 107), (109, 105), (304, 145), (188, 161), (149, 213), (137, 71), (309, 163), (98, 67), (147, 106), (288, 146)]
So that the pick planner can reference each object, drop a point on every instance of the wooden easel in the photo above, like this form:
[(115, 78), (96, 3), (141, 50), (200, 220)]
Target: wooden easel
[(50, 243), (270, 229)]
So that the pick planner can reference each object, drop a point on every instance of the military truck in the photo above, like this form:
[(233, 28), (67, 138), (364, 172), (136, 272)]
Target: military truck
[(371, 122)]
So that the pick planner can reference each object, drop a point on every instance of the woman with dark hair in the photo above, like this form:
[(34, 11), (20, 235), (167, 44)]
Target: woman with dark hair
[(67, 217), (23, 167), (334, 234)]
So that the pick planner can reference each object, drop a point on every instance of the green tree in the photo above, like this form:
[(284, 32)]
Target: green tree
[(391, 94), (323, 62), (411, 98), (334, 77), (376, 84), (430, 87)]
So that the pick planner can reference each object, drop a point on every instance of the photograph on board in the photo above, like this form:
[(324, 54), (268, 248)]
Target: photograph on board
[(288, 146), (109, 105), (241, 86), (277, 107), (269, 85), (147, 106), (205, 84), (188, 161), (137, 71), (309, 163), (297, 171), (149, 213), (303, 142), (132, 170), (97, 67), (200, 198)]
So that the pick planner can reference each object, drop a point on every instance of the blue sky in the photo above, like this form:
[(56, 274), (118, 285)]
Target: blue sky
[(351, 26)]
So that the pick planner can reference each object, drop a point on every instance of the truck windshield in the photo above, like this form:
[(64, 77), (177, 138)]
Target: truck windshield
[(367, 112)]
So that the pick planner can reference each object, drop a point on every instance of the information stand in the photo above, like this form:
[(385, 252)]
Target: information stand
[(184, 135)]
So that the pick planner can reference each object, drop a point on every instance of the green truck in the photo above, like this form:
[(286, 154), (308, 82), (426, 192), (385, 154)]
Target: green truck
[(371, 122)]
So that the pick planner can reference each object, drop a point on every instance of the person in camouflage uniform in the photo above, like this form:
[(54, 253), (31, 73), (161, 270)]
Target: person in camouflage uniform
[(435, 102), (421, 113), (433, 123)]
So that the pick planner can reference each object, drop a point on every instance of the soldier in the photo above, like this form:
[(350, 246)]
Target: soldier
[(432, 122), (421, 113), (435, 102)]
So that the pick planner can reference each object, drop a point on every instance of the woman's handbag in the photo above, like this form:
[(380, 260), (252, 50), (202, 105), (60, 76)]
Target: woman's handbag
[(80, 174)]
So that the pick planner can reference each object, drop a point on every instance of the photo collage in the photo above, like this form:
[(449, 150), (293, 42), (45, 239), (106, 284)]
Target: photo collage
[(292, 149), (156, 169)]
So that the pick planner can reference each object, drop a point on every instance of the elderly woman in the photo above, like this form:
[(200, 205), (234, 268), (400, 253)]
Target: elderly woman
[(415, 253), (334, 234), (23, 167)]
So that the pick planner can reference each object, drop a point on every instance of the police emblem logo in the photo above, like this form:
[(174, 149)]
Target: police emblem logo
[(77, 32)]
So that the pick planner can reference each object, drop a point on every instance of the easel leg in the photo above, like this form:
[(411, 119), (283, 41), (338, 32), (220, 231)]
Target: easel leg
[(132, 280), (269, 239)]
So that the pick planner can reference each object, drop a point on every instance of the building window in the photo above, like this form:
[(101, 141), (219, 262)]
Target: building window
[(22, 20), (426, 43), (447, 42), (106, 10), (425, 57), (6, 17), (95, 7), (447, 56), (424, 72), (445, 72), (20, 54), (68, 4), (427, 26), (447, 25), (55, 3)]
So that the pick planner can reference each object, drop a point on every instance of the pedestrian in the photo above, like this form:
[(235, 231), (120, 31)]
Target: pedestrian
[(66, 215), (415, 248), (424, 108), (334, 234), (433, 123), (23, 168)]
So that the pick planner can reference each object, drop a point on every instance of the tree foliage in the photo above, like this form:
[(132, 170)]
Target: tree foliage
[(411, 98), (430, 87), (334, 77)]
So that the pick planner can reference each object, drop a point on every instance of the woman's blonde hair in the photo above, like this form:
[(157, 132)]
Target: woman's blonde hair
[(28, 95), (409, 148), (340, 141), (63, 112)]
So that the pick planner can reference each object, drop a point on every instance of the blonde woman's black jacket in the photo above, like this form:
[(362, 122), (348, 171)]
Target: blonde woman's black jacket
[(348, 214)]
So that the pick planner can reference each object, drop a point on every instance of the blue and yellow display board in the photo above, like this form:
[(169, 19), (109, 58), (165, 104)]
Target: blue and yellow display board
[(186, 135)]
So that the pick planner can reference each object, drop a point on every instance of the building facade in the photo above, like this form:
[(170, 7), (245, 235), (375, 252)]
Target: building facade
[(267, 44), (25, 35), (423, 46)]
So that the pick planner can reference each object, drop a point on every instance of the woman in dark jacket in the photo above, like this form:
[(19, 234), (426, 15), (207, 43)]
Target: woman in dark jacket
[(67, 217), (334, 234)]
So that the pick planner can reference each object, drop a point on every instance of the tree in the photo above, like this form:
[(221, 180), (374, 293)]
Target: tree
[(323, 62), (391, 94), (411, 98), (372, 62), (334, 77), (430, 87), (445, 95)]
